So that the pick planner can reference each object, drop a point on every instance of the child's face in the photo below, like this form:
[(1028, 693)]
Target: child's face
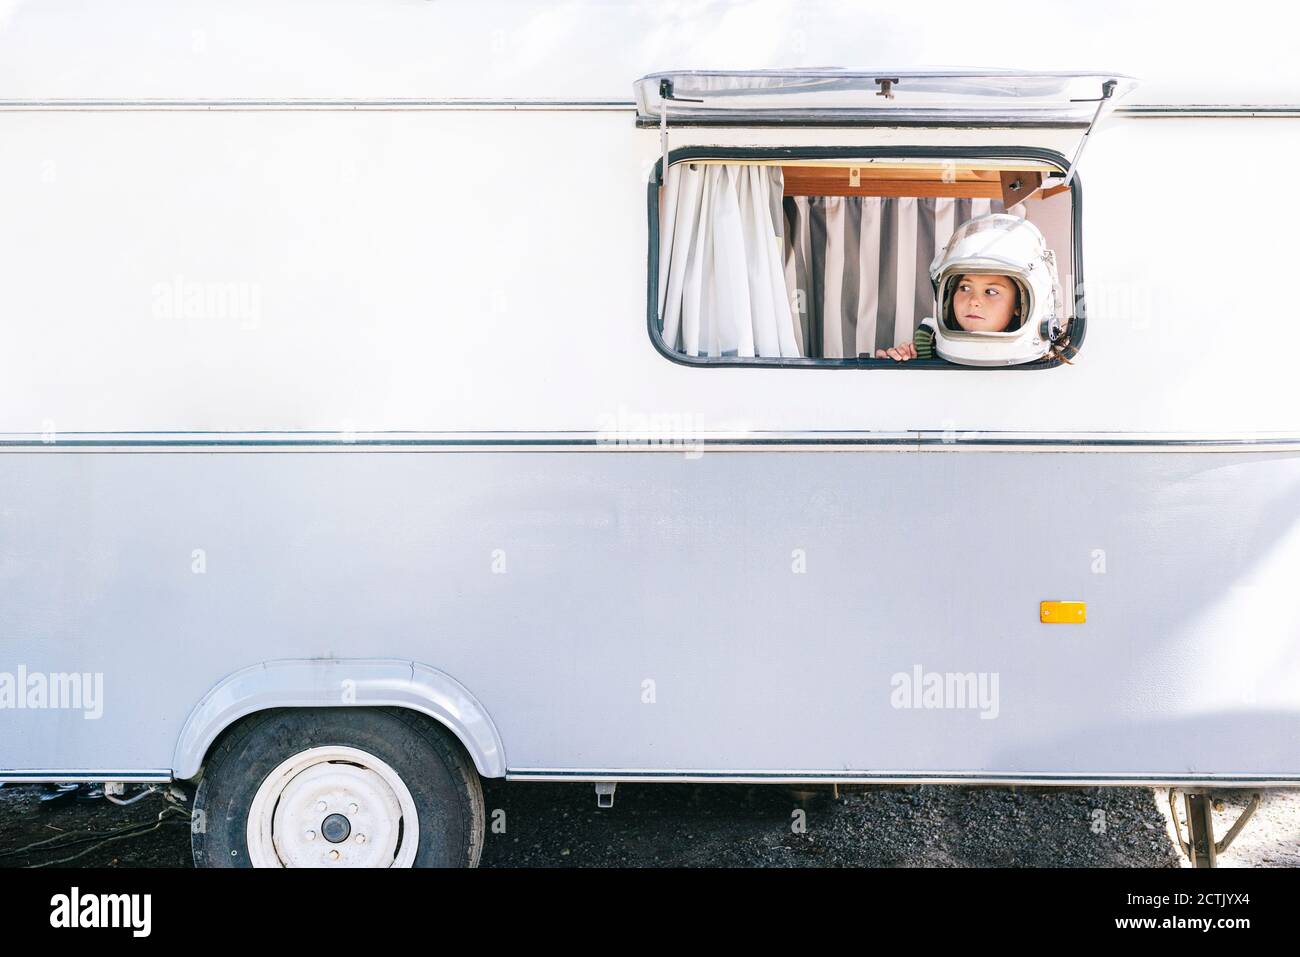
[(984, 303)]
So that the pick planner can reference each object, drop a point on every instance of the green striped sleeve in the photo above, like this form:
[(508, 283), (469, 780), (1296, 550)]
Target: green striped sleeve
[(923, 339)]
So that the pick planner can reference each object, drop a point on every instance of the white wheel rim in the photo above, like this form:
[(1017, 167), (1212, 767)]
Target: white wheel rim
[(333, 807)]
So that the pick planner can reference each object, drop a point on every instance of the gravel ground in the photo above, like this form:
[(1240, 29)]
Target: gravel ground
[(674, 825), (549, 825)]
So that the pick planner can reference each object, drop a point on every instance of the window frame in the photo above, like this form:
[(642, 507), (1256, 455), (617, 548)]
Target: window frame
[(992, 153)]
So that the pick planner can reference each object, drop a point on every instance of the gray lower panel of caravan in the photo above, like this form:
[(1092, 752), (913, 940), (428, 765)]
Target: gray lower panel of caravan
[(765, 612)]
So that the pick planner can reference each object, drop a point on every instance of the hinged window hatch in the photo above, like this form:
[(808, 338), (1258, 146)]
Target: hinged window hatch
[(877, 97)]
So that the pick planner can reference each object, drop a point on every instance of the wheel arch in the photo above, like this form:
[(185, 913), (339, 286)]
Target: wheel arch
[(339, 682)]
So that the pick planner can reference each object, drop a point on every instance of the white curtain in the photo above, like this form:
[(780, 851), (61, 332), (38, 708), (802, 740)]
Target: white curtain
[(722, 289)]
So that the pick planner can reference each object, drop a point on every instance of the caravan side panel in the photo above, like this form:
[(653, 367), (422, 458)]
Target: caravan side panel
[(759, 611)]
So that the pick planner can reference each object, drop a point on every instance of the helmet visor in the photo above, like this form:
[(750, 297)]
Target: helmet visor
[(1020, 308)]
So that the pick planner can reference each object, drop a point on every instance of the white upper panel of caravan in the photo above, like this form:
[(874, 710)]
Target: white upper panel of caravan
[(582, 51)]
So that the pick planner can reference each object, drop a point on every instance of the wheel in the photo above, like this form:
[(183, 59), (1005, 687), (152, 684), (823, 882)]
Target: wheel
[(338, 787)]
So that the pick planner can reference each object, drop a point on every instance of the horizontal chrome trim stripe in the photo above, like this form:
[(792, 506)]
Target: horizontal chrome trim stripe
[(1102, 442), (307, 103), (1247, 111), (630, 776), (1036, 779), (543, 103), (84, 777), (664, 442)]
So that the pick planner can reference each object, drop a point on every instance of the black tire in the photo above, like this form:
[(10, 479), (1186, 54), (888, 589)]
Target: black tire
[(441, 779)]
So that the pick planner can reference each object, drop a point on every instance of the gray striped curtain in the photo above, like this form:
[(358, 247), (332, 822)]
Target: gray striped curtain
[(857, 267)]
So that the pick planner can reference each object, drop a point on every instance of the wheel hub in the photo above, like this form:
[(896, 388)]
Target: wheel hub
[(335, 828)]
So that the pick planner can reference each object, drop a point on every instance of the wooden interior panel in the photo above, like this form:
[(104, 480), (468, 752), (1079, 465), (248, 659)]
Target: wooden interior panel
[(837, 181)]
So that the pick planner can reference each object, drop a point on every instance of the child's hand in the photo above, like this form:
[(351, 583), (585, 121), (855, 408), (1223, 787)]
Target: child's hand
[(900, 353)]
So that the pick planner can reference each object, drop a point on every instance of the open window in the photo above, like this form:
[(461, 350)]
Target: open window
[(822, 256)]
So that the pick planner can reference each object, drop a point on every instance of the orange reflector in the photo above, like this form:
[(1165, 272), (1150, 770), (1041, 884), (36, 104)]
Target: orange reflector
[(1063, 612)]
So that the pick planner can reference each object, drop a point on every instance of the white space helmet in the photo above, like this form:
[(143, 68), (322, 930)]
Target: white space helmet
[(1011, 246)]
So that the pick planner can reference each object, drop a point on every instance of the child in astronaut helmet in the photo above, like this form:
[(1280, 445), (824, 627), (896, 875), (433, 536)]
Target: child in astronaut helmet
[(996, 290)]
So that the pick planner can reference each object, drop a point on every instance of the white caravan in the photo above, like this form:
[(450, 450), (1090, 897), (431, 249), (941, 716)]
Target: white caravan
[(398, 395)]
